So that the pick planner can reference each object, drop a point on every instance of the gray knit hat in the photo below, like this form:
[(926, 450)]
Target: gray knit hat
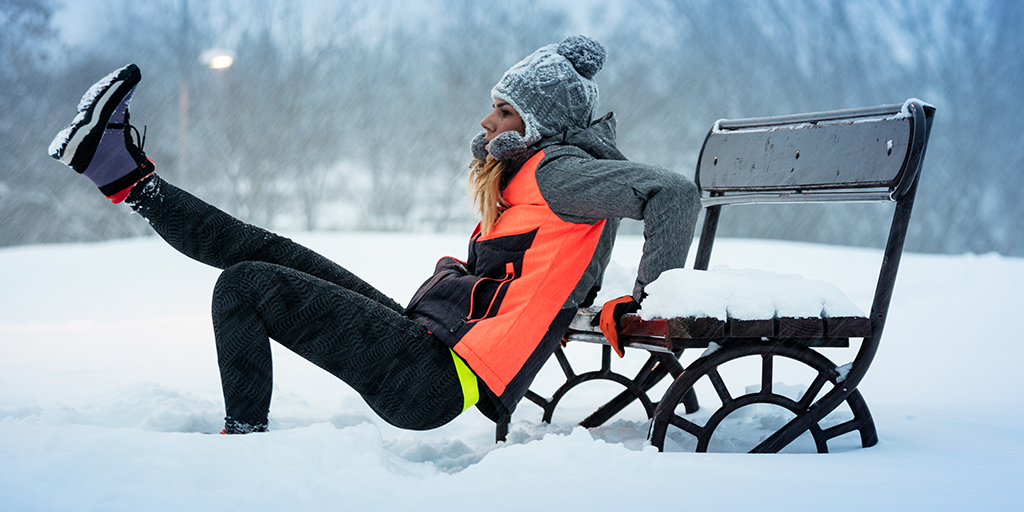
[(554, 89)]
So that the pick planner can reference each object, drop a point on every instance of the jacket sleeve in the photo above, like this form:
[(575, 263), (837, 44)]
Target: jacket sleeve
[(579, 188)]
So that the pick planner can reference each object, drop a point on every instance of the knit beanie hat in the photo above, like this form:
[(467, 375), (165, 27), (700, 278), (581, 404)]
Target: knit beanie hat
[(554, 89)]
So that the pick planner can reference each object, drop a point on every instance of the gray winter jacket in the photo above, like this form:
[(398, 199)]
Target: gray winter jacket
[(585, 179)]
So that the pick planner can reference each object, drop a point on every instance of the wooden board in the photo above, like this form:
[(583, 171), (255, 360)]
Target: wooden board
[(673, 334), (828, 155), (751, 328), (689, 332), (848, 327), (801, 327), (696, 328), (633, 325)]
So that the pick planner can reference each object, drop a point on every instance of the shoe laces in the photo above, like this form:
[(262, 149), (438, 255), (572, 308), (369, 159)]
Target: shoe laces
[(138, 140), (141, 139)]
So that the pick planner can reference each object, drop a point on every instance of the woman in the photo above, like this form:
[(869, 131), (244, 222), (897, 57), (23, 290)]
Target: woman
[(550, 186)]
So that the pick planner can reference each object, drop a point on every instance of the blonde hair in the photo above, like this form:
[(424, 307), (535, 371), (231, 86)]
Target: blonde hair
[(485, 189)]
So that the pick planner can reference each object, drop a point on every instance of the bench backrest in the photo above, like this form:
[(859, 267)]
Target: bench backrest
[(868, 154), (845, 155)]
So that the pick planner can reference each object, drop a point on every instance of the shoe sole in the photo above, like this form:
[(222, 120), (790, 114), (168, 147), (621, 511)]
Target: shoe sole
[(76, 144)]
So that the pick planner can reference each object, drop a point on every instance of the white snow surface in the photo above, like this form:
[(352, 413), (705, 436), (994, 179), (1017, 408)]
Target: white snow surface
[(748, 294), (109, 398)]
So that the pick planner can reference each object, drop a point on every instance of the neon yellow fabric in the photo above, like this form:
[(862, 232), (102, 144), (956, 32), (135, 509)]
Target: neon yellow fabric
[(470, 391)]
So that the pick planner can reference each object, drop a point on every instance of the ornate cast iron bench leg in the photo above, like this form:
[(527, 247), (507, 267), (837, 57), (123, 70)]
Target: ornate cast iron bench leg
[(658, 365), (707, 367)]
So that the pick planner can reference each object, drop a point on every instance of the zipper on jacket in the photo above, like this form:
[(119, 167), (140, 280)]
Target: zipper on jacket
[(510, 274), (457, 326)]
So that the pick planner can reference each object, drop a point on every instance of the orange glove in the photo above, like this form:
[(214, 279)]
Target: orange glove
[(611, 313)]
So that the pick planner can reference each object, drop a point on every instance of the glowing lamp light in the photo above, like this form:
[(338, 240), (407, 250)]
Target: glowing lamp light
[(221, 61), (217, 58)]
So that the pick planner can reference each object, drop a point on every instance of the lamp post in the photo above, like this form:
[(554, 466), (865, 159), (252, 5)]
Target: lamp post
[(183, 130), (214, 58)]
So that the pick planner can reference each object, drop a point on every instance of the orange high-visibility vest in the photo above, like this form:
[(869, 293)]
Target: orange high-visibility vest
[(501, 311)]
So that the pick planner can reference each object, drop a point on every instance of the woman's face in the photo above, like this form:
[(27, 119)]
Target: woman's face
[(502, 119)]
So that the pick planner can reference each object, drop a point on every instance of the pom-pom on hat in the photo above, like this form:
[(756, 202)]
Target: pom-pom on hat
[(554, 89)]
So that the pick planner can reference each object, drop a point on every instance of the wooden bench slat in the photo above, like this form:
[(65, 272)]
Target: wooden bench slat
[(673, 334), (801, 328), (633, 325), (831, 155), (696, 328), (751, 328), (848, 327)]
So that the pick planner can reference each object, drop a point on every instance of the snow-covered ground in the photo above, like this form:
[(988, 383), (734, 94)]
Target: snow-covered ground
[(109, 392)]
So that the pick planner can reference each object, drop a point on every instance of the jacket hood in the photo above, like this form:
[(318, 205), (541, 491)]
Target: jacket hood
[(597, 140)]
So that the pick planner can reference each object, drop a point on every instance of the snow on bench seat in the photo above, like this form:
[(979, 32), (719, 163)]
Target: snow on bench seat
[(689, 308), (744, 295)]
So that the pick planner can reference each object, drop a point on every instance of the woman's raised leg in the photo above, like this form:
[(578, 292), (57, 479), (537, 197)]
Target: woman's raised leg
[(99, 145), (208, 235)]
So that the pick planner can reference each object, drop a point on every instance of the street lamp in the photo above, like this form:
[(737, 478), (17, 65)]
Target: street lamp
[(217, 58), (214, 58), (221, 61)]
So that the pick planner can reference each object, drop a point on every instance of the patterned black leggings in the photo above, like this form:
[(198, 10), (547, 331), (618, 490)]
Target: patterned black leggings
[(272, 287)]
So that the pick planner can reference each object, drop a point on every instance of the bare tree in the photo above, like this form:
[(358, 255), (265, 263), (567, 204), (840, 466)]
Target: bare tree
[(368, 109)]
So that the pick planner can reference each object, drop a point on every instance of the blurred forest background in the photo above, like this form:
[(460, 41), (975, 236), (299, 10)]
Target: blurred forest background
[(357, 115)]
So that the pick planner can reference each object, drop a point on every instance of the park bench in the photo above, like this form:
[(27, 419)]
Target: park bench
[(858, 155)]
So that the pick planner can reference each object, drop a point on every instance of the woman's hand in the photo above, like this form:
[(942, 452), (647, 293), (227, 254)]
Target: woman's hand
[(611, 313)]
